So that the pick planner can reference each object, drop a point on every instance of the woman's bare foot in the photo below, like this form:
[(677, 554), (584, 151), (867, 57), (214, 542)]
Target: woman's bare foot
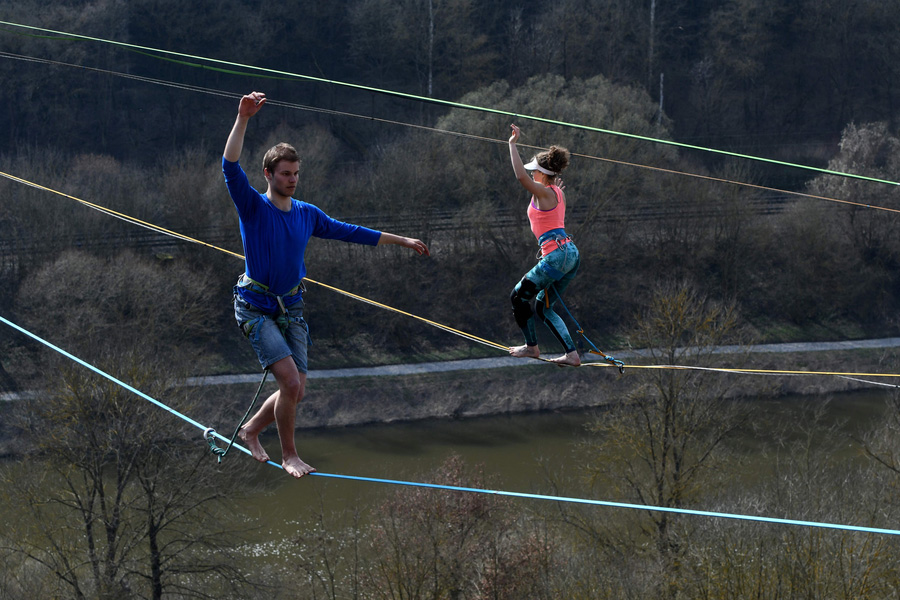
[(570, 359), (524, 351), (296, 467), (253, 444)]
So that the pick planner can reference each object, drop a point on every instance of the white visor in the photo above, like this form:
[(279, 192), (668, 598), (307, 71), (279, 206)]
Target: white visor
[(534, 166)]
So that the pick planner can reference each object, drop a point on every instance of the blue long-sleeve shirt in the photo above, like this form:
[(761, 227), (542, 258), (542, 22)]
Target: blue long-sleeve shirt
[(275, 241)]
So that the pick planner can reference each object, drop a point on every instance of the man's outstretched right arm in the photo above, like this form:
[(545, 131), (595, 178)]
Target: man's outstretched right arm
[(249, 106)]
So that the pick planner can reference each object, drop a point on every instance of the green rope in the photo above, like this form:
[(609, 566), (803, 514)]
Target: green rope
[(452, 104), (211, 439)]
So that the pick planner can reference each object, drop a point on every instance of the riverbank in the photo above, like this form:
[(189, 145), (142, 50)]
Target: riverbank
[(500, 386), (503, 385)]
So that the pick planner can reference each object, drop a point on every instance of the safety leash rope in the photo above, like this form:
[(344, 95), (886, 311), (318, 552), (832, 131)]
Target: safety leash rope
[(594, 349), (283, 322), (209, 432)]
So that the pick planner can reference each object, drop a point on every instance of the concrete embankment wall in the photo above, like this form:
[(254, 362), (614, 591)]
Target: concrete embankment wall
[(370, 398)]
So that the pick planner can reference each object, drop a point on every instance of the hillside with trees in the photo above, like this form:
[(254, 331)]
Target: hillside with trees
[(680, 247), (750, 77)]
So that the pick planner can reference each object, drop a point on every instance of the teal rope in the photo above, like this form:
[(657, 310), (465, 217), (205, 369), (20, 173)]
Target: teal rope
[(608, 358), (209, 431), (450, 103), (101, 373), (667, 509)]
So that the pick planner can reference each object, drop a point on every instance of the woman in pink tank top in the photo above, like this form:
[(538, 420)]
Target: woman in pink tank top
[(559, 258)]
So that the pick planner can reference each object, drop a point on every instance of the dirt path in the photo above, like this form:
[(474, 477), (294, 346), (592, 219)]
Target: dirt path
[(506, 361)]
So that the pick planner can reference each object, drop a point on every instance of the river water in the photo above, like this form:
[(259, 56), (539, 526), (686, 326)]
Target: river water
[(510, 448)]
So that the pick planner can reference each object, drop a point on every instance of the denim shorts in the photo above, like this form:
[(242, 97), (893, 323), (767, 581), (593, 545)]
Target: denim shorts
[(265, 335)]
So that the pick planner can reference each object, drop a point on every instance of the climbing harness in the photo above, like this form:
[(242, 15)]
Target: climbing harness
[(283, 321), (254, 286), (556, 235), (594, 350), (209, 431)]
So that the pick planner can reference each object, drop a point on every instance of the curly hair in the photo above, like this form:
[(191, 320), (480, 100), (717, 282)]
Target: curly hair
[(555, 159)]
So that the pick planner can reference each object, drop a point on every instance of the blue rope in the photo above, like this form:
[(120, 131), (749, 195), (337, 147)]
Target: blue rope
[(648, 508), (454, 488), (124, 385), (104, 374)]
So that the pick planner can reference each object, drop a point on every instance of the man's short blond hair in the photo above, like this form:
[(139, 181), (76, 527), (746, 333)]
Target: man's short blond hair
[(278, 153)]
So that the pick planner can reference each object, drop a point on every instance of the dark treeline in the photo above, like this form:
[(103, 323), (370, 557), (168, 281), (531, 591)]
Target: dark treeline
[(777, 78)]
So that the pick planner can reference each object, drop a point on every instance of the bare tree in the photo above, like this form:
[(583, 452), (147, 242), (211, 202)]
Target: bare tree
[(661, 447), (438, 544), (112, 502), (812, 472)]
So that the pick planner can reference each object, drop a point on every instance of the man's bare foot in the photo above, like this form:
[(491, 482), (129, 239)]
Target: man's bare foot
[(296, 467), (570, 359), (253, 444), (524, 351)]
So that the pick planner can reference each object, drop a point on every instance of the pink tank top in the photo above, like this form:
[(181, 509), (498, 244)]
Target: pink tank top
[(543, 221)]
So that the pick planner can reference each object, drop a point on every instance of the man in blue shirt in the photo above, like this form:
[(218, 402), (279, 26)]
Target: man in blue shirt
[(268, 300)]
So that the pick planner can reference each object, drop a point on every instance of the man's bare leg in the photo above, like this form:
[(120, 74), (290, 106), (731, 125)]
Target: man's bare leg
[(524, 351), (291, 387), (569, 359), (249, 433), (280, 408)]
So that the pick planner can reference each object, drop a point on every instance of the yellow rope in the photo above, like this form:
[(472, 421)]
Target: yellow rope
[(447, 328), (746, 371), (122, 216)]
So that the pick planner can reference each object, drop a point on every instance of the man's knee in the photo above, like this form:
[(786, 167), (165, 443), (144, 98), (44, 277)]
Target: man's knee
[(295, 389), (291, 382)]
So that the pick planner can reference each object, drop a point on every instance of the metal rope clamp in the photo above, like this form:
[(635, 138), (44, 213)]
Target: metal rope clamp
[(616, 362), (213, 447)]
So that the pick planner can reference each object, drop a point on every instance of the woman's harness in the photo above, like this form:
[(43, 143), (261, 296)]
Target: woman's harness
[(562, 238)]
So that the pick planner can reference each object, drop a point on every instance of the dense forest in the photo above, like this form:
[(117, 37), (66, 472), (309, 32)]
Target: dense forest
[(722, 248)]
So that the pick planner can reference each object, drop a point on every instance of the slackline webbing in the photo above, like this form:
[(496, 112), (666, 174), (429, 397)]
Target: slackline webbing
[(455, 488)]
